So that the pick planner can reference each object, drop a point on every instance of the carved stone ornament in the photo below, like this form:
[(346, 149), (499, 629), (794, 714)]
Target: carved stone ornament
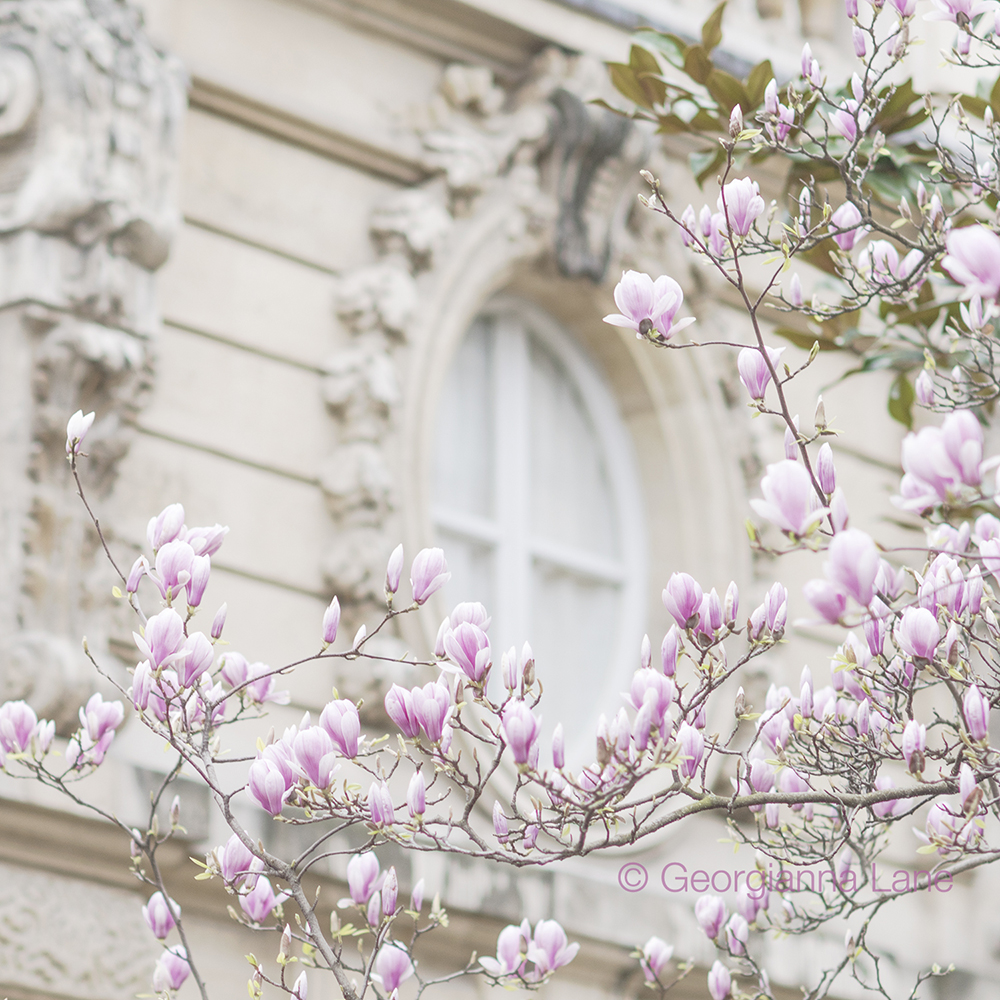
[(558, 168), (90, 115)]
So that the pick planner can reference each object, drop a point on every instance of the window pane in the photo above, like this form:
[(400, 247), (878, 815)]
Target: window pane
[(472, 571), (572, 635), (463, 458), (571, 497)]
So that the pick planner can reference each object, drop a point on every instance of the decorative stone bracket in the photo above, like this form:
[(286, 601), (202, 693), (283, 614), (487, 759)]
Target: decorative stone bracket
[(90, 115), (559, 164)]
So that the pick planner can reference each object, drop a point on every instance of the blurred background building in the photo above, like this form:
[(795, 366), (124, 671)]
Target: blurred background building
[(332, 272)]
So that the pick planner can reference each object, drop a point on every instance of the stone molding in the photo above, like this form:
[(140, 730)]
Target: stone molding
[(89, 134)]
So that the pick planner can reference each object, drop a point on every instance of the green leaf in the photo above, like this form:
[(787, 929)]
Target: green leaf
[(974, 105), (670, 46), (760, 76), (995, 98), (697, 64), (901, 397), (647, 71), (727, 91), (705, 164), (711, 30), (805, 340), (627, 83), (671, 125)]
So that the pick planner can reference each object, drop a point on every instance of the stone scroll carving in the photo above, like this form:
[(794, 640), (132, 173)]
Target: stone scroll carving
[(90, 114), (558, 164)]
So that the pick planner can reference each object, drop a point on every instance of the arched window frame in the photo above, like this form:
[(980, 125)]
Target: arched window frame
[(516, 549)]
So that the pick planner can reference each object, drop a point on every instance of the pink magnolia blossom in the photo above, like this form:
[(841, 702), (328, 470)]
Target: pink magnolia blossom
[(914, 744), (691, 744), (848, 219), (171, 970), (958, 11), (166, 526), (160, 915), (234, 859), (468, 648), (512, 951), (342, 723), (380, 807), (17, 724), (362, 876), (918, 633), (720, 981), (973, 260), (392, 966), (520, 729), (206, 541), (940, 463), (853, 564), (880, 262), (399, 708), (648, 306), (549, 948), (682, 597), (754, 373), (656, 955), (789, 502), (267, 785), (315, 756), (710, 912), (741, 203), (976, 709), (431, 706), (428, 574), (261, 900)]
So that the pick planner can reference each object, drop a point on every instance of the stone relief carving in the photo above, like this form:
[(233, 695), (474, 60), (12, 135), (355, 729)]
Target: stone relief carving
[(39, 913), (558, 164), (90, 115)]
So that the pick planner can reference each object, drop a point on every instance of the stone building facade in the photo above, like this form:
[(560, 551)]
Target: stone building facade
[(274, 261)]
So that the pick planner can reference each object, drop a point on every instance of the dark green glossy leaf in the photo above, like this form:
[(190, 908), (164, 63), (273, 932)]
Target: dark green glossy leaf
[(672, 125), (974, 105)]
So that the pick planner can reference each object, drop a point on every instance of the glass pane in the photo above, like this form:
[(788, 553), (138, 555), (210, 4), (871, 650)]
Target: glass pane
[(571, 497), (463, 456), (472, 572), (572, 635)]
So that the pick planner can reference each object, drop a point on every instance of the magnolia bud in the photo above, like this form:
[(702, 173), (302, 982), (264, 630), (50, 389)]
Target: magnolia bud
[(393, 571), (390, 890), (500, 827), (286, 943), (219, 622), (331, 621), (645, 649), (819, 417), (359, 636), (736, 121), (740, 704), (648, 177), (175, 811)]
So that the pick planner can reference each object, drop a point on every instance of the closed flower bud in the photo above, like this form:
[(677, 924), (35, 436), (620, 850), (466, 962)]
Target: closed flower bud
[(736, 121), (416, 800), (219, 622), (393, 572), (417, 896), (976, 709), (558, 748), (500, 823), (331, 621), (669, 650), (390, 890)]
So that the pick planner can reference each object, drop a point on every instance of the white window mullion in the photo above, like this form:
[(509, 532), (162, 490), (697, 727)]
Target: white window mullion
[(511, 383)]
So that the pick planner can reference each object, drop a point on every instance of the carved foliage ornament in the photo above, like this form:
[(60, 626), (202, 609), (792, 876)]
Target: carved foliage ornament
[(558, 163), (90, 114)]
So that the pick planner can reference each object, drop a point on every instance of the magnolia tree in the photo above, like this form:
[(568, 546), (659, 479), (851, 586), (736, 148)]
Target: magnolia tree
[(892, 194)]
